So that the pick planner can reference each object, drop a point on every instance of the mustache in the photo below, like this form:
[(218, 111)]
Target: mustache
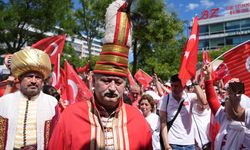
[(32, 85), (111, 94)]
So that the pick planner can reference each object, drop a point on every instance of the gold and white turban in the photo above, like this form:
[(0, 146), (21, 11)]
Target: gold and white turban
[(30, 59)]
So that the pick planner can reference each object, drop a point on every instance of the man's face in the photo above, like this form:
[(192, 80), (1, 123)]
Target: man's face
[(134, 94), (31, 84), (108, 90), (177, 88)]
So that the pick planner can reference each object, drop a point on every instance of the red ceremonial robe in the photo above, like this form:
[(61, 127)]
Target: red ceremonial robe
[(79, 127)]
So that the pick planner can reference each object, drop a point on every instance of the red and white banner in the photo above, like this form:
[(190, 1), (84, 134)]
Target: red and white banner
[(222, 73), (52, 46), (190, 55), (237, 61), (76, 89), (143, 78)]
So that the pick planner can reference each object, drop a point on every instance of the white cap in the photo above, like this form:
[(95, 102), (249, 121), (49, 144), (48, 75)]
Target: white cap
[(153, 94)]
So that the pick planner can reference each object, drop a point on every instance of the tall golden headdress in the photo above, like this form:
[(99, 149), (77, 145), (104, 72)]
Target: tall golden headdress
[(30, 59), (113, 59)]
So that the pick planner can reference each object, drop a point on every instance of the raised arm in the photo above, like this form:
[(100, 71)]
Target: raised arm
[(211, 95)]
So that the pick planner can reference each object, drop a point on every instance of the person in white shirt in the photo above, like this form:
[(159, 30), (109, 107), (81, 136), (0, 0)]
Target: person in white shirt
[(181, 133), (147, 107)]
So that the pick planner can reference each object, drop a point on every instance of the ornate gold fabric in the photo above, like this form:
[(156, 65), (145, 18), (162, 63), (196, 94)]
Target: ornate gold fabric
[(3, 132), (111, 68), (122, 28), (47, 129), (115, 48), (115, 59), (30, 59)]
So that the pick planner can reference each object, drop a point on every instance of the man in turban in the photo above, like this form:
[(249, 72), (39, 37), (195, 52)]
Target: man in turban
[(26, 115), (105, 121)]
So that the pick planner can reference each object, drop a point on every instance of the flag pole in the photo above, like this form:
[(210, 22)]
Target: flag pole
[(229, 51)]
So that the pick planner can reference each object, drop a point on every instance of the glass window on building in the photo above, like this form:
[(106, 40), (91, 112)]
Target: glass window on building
[(232, 26), (245, 38), (204, 30), (233, 40), (245, 24), (216, 43), (203, 44), (217, 28)]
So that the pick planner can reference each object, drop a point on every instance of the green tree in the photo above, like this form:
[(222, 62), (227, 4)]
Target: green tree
[(215, 53), (26, 21), (90, 21), (155, 32)]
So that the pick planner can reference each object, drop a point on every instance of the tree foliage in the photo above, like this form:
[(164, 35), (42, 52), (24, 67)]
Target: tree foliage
[(90, 20), (215, 53), (23, 21), (154, 38)]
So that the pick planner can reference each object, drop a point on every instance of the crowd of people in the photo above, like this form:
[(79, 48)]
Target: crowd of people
[(120, 116), (202, 115)]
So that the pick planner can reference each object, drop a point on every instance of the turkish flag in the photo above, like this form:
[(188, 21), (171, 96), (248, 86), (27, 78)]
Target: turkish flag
[(52, 46), (237, 61), (143, 78), (84, 69), (56, 74), (205, 60), (190, 55), (75, 87), (222, 73), (131, 79), (214, 128)]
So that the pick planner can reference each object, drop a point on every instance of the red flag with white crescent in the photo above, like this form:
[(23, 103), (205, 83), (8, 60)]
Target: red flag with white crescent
[(143, 78), (190, 55), (52, 46), (76, 88), (237, 61)]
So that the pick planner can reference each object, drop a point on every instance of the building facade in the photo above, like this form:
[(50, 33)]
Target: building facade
[(224, 26), (81, 47)]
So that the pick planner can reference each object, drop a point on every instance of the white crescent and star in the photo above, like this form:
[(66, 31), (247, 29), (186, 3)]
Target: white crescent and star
[(55, 48), (247, 64), (54, 80), (74, 87), (192, 37), (186, 54)]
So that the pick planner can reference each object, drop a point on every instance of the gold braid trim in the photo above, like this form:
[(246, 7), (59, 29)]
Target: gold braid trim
[(122, 28), (115, 48), (47, 129), (3, 132), (111, 68), (112, 58)]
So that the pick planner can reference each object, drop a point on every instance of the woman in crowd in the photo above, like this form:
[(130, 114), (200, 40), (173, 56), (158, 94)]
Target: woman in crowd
[(147, 106)]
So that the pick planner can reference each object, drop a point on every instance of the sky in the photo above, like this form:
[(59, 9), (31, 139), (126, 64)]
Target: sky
[(187, 9)]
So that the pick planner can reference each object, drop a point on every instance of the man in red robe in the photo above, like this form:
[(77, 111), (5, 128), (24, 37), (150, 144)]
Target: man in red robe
[(105, 121)]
